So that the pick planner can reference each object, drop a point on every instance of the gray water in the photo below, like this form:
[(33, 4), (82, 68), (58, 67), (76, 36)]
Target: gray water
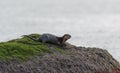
[(92, 23)]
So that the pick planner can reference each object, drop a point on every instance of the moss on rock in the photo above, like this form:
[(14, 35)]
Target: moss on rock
[(50, 58), (24, 48)]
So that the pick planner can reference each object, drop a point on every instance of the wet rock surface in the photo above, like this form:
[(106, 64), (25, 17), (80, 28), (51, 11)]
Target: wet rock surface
[(73, 60)]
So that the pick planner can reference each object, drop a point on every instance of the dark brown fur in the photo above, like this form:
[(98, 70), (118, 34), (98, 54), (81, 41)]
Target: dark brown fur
[(64, 38), (59, 40)]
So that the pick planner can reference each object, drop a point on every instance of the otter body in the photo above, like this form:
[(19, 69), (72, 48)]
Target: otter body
[(50, 38)]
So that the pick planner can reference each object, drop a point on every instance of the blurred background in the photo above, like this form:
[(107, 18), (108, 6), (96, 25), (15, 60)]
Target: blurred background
[(92, 23)]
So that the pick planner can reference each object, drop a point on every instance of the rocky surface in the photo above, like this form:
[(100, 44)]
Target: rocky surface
[(73, 60)]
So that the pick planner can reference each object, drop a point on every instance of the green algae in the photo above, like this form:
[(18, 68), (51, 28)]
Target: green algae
[(24, 48)]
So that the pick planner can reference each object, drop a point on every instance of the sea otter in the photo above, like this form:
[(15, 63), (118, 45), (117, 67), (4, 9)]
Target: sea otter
[(50, 38)]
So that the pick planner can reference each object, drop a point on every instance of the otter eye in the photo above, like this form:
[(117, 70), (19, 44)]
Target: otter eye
[(69, 36)]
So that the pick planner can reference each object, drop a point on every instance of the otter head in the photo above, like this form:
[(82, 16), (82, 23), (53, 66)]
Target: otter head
[(66, 37)]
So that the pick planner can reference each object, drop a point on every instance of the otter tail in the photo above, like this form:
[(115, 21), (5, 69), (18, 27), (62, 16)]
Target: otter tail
[(30, 37)]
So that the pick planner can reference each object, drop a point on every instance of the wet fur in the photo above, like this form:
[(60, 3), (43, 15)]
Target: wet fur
[(61, 40)]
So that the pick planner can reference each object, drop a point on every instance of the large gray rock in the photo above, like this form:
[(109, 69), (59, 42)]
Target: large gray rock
[(73, 60)]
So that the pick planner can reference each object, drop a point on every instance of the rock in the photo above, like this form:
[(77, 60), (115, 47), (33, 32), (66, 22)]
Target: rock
[(72, 60)]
